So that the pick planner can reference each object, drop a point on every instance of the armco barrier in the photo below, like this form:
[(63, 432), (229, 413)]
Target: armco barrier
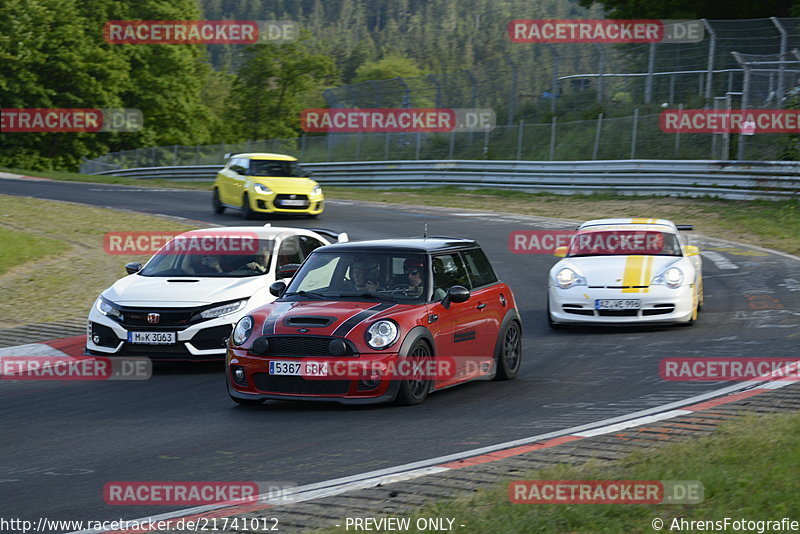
[(686, 178)]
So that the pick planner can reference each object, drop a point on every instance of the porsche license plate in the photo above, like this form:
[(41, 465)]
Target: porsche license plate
[(151, 338), (292, 202), (617, 304), (282, 367)]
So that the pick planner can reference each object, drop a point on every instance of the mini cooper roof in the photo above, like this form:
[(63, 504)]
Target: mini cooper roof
[(428, 245)]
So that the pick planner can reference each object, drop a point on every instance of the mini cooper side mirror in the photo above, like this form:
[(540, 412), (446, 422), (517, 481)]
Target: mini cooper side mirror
[(277, 288), (455, 294), (560, 252), (288, 270), (133, 267)]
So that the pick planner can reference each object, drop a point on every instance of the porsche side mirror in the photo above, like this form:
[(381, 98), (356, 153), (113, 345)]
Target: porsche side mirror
[(133, 267), (560, 252), (455, 294), (288, 270), (692, 250), (277, 288)]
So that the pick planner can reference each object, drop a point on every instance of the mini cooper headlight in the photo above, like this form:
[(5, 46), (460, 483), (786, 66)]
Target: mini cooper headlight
[(381, 334), (225, 309), (567, 278), (263, 189), (106, 307), (672, 277), (316, 191), (242, 330)]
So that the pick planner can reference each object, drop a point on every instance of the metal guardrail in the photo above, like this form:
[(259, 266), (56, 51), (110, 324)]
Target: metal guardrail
[(686, 178)]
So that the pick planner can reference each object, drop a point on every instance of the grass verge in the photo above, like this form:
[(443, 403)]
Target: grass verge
[(19, 248), (66, 267), (740, 481)]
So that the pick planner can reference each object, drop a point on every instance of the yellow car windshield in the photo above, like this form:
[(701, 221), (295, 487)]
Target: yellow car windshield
[(277, 168)]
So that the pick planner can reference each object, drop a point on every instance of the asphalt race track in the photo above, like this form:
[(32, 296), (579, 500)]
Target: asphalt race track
[(62, 441)]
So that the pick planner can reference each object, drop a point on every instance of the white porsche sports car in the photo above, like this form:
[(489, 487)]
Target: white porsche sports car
[(182, 304), (626, 271)]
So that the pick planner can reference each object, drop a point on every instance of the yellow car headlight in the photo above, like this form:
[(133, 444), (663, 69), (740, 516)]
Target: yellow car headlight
[(263, 189), (316, 191)]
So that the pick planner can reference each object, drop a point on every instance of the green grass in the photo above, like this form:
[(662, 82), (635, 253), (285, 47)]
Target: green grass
[(118, 180), (64, 279), (740, 481), (20, 248)]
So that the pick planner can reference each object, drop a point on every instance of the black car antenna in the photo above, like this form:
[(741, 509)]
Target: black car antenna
[(425, 231)]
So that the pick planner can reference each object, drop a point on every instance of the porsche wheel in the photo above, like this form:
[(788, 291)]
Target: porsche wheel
[(414, 389)]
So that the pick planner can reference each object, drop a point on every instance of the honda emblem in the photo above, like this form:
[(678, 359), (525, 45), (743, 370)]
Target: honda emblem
[(153, 318)]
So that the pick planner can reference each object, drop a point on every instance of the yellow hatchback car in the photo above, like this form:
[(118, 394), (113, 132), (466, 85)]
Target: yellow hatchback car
[(266, 183)]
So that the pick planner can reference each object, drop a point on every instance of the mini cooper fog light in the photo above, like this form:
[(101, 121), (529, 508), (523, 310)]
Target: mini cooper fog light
[(337, 347), (237, 373), (260, 346)]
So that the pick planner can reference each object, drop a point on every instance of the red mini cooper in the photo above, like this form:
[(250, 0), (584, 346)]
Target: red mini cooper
[(378, 321)]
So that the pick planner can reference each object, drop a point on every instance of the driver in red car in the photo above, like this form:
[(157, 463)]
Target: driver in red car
[(414, 269)]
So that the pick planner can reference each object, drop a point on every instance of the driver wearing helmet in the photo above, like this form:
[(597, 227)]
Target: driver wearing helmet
[(364, 276), (205, 264)]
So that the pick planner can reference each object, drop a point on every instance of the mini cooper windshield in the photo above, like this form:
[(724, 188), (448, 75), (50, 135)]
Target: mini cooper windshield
[(213, 263), (394, 276), (624, 243)]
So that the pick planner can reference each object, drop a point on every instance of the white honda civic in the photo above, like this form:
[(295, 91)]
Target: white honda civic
[(182, 304), (626, 271)]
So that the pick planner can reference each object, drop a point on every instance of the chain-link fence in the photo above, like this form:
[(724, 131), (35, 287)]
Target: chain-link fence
[(635, 136), (561, 102)]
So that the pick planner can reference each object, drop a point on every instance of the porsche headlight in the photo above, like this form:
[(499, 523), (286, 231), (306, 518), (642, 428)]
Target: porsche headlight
[(263, 189), (381, 334), (106, 307), (242, 330), (316, 191), (567, 278), (225, 309), (672, 277)]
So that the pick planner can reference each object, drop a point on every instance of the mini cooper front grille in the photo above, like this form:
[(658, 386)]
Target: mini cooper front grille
[(297, 385), (304, 346)]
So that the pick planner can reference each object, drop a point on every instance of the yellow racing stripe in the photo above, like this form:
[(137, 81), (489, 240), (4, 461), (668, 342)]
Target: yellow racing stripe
[(638, 272)]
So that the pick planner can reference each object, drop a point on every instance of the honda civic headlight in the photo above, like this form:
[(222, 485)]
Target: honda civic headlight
[(225, 309), (672, 277), (242, 330), (106, 307), (567, 278), (381, 334), (263, 189), (316, 191)]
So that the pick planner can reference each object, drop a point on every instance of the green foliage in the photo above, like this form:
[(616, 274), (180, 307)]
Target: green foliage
[(391, 66), (272, 87), (695, 9)]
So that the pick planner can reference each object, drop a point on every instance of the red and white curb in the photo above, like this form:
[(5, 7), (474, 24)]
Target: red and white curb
[(469, 458)]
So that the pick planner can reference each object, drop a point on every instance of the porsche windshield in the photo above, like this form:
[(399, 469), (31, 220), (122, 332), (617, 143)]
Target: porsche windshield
[(213, 263), (624, 243), (395, 276)]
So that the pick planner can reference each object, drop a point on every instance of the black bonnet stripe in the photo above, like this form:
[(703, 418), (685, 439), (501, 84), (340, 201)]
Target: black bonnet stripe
[(343, 329), (269, 324)]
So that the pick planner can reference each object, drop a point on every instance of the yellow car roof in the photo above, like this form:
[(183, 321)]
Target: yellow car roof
[(262, 155)]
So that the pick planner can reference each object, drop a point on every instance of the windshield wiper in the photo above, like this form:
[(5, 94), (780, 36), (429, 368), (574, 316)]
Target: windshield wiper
[(318, 296)]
